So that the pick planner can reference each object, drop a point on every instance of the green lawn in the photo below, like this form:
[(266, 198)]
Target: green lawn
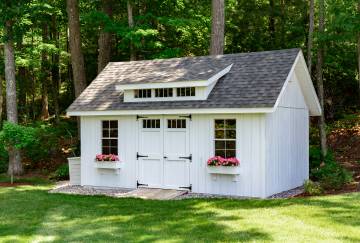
[(30, 214)]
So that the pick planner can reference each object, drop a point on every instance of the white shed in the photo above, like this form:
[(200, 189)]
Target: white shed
[(166, 118)]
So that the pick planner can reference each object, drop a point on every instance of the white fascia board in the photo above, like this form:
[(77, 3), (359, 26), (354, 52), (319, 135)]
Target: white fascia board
[(172, 112), (194, 83), (314, 111)]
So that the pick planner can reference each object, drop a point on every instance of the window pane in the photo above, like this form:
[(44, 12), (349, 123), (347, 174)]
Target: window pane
[(114, 150), (230, 134), (169, 124), (113, 142), (220, 153), (219, 145), (230, 124), (105, 142), (230, 153), (219, 134), (144, 123), (187, 91), (105, 150), (183, 123), (157, 123), (230, 144), (148, 93), (219, 124), (192, 91), (105, 124), (173, 123), (113, 124), (105, 133)]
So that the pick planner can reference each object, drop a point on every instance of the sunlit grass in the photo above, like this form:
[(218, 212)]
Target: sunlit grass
[(30, 214)]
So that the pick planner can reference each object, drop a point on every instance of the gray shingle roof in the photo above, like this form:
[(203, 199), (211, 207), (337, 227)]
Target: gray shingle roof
[(255, 80)]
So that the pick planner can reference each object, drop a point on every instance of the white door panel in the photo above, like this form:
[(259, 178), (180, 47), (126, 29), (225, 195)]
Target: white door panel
[(163, 140)]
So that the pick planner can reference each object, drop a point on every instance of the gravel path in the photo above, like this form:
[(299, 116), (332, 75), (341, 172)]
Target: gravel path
[(65, 188), (84, 190)]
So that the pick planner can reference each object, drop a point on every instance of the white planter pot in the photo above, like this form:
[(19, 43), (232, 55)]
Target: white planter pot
[(75, 170), (109, 165), (224, 170)]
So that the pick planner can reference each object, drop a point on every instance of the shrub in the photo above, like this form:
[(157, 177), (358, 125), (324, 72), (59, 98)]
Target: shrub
[(62, 173), (312, 188), (329, 173), (4, 160)]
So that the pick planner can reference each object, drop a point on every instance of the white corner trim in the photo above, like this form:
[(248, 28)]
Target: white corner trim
[(179, 84), (172, 112)]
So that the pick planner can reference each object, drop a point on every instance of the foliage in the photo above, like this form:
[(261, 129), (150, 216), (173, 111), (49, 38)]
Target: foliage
[(70, 218), (62, 173), (4, 160), (17, 136), (312, 188), (329, 173)]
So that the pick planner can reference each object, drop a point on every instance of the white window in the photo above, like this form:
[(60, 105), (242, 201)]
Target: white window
[(176, 123), (151, 123), (225, 138), (109, 137), (142, 93), (185, 91), (166, 92)]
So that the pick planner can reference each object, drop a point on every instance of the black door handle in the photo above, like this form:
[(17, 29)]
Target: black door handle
[(140, 156), (165, 157), (188, 157)]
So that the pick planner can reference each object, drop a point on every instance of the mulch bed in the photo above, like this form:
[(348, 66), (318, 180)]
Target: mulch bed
[(8, 184)]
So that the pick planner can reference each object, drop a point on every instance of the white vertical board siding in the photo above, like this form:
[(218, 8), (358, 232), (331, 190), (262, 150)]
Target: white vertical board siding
[(250, 134), (91, 145), (287, 141)]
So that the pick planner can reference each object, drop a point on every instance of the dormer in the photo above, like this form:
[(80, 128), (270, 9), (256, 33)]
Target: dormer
[(172, 88)]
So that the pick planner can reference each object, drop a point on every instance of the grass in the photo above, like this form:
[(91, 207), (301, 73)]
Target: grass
[(30, 214)]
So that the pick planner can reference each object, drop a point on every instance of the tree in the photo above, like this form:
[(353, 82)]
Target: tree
[(358, 49), (1, 99), (44, 75), (310, 35), (77, 58), (15, 166), (105, 38), (217, 27), (131, 26), (319, 74)]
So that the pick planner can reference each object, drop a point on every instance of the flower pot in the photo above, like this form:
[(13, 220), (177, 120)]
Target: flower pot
[(224, 170), (75, 170), (114, 165)]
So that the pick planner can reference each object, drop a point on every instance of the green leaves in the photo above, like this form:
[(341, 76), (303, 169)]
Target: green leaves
[(17, 136)]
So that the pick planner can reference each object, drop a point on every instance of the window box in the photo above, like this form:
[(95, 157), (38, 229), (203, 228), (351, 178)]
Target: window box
[(114, 165), (224, 170)]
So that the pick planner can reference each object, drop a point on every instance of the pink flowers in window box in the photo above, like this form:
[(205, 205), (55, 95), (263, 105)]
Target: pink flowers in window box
[(107, 157), (220, 161)]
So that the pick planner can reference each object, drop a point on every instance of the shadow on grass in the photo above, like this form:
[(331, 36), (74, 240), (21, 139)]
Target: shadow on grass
[(33, 214)]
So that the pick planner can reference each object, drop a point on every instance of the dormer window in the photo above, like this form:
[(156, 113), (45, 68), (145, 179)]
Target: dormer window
[(166, 92), (142, 93), (186, 91)]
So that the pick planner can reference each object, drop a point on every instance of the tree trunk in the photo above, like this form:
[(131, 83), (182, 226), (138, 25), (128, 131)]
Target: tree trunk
[(45, 77), (131, 26), (310, 36), (105, 39), (15, 166), (272, 23), (358, 48), (77, 58), (55, 72), (217, 27), (320, 84)]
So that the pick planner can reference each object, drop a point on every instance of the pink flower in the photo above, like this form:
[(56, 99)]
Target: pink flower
[(220, 161), (107, 157)]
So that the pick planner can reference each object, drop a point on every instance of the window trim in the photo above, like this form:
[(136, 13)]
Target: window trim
[(224, 139), (109, 137)]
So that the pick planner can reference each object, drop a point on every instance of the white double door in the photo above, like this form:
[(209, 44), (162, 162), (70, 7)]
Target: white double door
[(163, 153)]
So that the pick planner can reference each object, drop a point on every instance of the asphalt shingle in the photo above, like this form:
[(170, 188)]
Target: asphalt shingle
[(255, 80)]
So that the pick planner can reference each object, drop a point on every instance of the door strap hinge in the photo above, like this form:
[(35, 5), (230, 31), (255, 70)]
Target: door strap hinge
[(140, 156), (140, 184), (188, 116), (138, 117), (188, 157), (186, 187)]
